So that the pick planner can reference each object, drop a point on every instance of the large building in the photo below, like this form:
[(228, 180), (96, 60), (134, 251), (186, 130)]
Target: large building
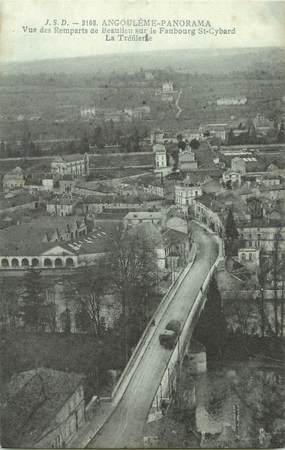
[(44, 409), (46, 242), (185, 192), (211, 130), (61, 206), (76, 165), (135, 218), (13, 180), (262, 233), (187, 160), (238, 165), (83, 250)]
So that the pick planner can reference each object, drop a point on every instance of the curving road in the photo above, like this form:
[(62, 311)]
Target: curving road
[(125, 426)]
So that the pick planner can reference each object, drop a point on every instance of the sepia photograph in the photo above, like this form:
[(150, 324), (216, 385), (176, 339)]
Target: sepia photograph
[(142, 224)]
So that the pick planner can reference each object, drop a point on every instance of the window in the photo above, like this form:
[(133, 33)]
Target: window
[(47, 262), (4, 262)]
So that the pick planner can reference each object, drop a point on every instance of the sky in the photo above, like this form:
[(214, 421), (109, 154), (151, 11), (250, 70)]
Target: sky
[(256, 23)]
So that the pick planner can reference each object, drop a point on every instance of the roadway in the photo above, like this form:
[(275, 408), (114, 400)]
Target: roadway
[(124, 428)]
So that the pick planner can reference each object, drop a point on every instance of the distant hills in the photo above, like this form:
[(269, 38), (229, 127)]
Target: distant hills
[(210, 61)]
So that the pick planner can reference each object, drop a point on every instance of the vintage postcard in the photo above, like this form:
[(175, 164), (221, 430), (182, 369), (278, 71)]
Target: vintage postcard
[(142, 223)]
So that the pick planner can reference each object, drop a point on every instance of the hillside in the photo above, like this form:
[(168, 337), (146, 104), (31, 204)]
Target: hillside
[(195, 61)]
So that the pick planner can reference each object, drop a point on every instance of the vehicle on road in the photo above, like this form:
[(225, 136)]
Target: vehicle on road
[(169, 336)]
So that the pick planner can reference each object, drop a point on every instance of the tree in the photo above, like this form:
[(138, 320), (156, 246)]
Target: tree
[(195, 144), (265, 398), (133, 273), (231, 229), (231, 233), (9, 305), (88, 288), (281, 133), (278, 267), (264, 268), (33, 299)]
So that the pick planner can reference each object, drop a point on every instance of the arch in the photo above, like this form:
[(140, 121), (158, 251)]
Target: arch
[(58, 262), (4, 262), (35, 262), (69, 262), (15, 262), (25, 262), (47, 262)]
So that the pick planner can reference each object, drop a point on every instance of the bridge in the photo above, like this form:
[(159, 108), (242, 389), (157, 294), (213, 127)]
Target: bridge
[(145, 381)]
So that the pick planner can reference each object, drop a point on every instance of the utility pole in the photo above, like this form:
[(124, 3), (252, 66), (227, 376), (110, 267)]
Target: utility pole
[(282, 310), (262, 312)]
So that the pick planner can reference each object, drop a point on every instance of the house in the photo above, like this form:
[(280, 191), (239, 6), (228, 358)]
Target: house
[(248, 255), (263, 125), (231, 101), (187, 159), (185, 192), (268, 180), (232, 177), (210, 130), (61, 206), (167, 91), (238, 165), (76, 165), (176, 246), (48, 184), (94, 204), (167, 87), (140, 112), (160, 160), (88, 113), (207, 210), (13, 180), (163, 137), (160, 156), (135, 218), (262, 233), (44, 409)]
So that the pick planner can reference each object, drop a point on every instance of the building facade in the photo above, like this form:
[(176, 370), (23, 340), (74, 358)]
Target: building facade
[(185, 193), (13, 180), (187, 160), (231, 101), (262, 234), (76, 165), (45, 409)]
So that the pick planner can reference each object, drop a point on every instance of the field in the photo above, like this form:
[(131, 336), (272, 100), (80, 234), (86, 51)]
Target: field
[(56, 100)]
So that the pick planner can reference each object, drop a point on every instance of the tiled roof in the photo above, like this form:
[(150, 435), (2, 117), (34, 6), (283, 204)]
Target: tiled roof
[(28, 238), (34, 399), (172, 237)]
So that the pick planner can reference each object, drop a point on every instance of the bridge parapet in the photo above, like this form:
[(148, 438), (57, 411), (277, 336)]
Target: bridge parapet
[(168, 383), (148, 333)]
